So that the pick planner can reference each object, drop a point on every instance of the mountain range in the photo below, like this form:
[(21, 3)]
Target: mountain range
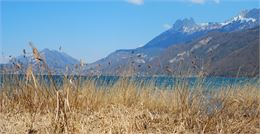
[(229, 48), (212, 46)]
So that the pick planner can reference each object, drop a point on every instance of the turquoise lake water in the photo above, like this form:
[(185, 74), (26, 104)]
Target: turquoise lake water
[(160, 82)]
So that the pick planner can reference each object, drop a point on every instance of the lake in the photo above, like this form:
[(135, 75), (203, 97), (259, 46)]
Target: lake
[(160, 82)]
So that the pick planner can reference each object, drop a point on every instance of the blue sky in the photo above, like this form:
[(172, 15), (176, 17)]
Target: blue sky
[(90, 30)]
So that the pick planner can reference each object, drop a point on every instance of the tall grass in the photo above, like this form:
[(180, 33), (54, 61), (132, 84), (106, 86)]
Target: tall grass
[(31, 105), (127, 108)]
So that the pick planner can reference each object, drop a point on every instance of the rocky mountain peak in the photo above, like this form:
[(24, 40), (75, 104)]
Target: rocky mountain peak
[(182, 24)]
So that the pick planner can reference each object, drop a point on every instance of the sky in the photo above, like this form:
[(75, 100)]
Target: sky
[(90, 30)]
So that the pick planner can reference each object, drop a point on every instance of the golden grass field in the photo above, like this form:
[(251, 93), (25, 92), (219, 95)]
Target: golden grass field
[(32, 106)]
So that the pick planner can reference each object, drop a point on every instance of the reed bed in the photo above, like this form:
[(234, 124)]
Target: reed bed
[(32, 105), (126, 107)]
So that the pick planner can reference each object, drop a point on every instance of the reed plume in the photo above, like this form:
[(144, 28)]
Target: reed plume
[(36, 54)]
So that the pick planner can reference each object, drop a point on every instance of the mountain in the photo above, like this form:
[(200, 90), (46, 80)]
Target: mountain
[(216, 54), (184, 31), (245, 20), (57, 61)]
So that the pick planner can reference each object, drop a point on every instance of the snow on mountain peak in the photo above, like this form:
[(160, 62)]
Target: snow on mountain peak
[(244, 16), (189, 26)]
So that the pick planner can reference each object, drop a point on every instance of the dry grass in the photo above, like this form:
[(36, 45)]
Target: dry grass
[(31, 105), (125, 107)]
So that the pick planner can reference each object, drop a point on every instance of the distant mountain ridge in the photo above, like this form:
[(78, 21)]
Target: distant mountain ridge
[(185, 30), (56, 61), (182, 32)]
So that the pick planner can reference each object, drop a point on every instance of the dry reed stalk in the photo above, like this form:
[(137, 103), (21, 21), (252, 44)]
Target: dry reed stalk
[(58, 106), (29, 76)]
